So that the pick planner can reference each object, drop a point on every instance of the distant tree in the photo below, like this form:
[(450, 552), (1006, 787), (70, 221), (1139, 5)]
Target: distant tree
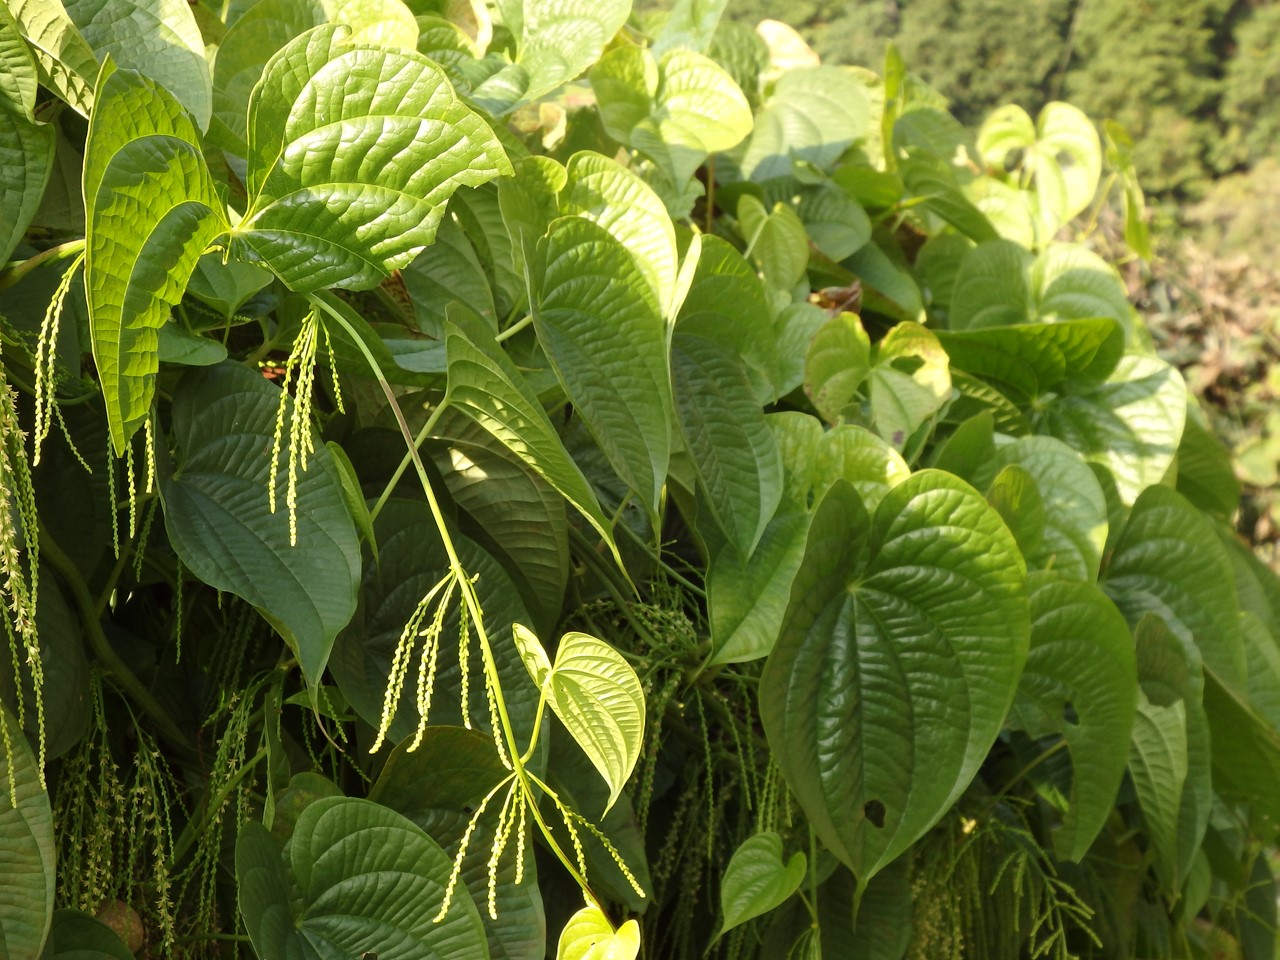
[(1250, 108)]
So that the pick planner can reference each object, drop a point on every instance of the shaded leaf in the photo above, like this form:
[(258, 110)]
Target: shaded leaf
[(1167, 561), (748, 595), (1080, 681), (486, 386), (731, 445), (218, 517), (355, 878), (27, 851), (756, 880)]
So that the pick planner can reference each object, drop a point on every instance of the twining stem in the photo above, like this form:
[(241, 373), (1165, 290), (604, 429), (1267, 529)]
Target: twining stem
[(1035, 762), (15, 270), (417, 442), (102, 649), (469, 597)]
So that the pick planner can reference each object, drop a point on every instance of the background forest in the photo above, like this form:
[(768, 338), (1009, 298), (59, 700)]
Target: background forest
[(1196, 84)]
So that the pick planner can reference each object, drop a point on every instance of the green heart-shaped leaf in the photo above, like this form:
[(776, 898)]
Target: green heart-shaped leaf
[(756, 880), (348, 181), (356, 878), (596, 695), (897, 662)]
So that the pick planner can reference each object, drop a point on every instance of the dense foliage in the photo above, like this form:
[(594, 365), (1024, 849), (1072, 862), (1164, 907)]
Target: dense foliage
[(499, 481), (1196, 82)]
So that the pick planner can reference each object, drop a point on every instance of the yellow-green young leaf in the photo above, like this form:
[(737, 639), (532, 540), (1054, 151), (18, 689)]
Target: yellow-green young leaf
[(159, 38), (353, 152), (897, 662), (532, 654), (1060, 155), (599, 322), (676, 110), (776, 241), (67, 63), (590, 936), (555, 41), (26, 847), (757, 880), (610, 195), (597, 697), (151, 209)]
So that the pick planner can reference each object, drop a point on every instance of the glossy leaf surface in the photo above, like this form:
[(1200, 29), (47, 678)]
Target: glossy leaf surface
[(355, 878), (920, 603)]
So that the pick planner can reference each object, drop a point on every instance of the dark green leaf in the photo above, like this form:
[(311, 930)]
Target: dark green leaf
[(1167, 561), (356, 878), (27, 848), (219, 521), (921, 604), (756, 880), (78, 936), (1080, 682), (732, 447)]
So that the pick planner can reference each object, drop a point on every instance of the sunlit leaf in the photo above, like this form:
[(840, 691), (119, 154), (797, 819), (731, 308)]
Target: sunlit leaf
[(348, 180), (1131, 423), (151, 209), (596, 695), (600, 324), (589, 936)]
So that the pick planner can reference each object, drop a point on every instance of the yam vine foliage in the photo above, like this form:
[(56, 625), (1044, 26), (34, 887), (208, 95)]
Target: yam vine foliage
[(507, 480)]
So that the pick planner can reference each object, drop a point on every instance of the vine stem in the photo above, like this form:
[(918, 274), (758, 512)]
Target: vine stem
[(467, 589), (15, 270), (102, 649), (417, 442)]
